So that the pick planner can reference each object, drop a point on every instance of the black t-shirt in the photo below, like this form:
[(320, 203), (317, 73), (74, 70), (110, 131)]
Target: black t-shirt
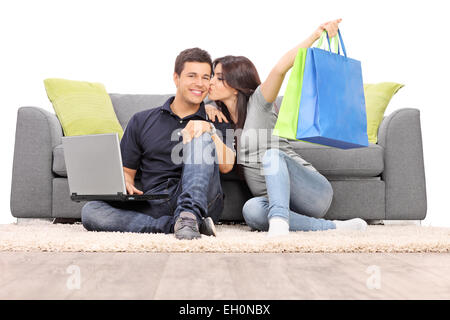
[(151, 137)]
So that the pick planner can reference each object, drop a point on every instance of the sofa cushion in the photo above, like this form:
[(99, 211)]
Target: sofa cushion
[(334, 162), (377, 99), (331, 162), (125, 105), (82, 107)]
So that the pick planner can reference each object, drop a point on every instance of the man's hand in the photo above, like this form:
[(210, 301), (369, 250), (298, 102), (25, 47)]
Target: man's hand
[(194, 129), (331, 27), (213, 112), (131, 189)]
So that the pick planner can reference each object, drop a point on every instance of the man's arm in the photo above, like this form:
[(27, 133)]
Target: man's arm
[(131, 153), (129, 175)]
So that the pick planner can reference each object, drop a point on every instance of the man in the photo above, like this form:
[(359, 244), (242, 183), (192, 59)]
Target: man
[(151, 142)]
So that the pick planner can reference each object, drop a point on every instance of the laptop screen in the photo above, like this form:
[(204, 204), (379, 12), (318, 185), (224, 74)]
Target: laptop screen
[(94, 164)]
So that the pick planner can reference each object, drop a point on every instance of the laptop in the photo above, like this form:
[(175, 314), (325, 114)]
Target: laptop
[(95, 171)]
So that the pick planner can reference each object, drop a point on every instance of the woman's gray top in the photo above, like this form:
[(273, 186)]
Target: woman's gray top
[(256, 137)]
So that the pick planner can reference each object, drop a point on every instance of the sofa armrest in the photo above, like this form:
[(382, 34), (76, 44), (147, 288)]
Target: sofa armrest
[(37, 133), (404, 173)]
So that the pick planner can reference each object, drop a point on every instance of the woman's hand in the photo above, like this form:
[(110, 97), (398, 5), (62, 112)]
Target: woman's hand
[(194, 129), (271, 86), (213, 112), (331, 27)]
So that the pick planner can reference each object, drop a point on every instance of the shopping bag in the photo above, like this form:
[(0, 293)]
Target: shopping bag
[(286, 125), (332, 108)]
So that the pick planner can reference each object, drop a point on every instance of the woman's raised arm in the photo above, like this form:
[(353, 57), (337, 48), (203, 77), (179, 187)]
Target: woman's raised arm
[(271, 86)]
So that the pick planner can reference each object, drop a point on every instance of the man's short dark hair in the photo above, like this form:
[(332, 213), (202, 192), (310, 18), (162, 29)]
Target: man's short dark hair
[(191, 55)]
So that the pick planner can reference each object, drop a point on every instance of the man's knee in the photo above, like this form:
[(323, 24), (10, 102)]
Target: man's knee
[(200, 150), (202, 141)]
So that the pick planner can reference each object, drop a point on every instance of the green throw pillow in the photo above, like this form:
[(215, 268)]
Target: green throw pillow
[(377, 99), (82, 107)]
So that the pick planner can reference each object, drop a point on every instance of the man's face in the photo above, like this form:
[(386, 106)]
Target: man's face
[(193, 82)]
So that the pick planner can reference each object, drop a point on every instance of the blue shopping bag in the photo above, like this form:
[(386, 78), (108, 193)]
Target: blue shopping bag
[(332, 105)]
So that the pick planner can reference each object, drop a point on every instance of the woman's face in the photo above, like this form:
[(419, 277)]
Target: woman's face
[(219, 90)]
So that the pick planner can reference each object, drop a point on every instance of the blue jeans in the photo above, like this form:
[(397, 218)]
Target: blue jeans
[(198, 191), (295, 193)]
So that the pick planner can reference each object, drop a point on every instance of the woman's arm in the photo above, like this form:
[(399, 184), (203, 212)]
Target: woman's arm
[(271, 86), (225, 155)]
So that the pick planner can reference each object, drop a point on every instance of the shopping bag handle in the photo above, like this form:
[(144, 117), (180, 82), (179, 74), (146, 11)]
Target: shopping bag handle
[(320, 42), (339, 40)]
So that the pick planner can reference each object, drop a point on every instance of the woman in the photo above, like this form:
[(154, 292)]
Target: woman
[(290, 194)]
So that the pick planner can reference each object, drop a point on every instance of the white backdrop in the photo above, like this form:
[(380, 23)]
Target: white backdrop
[(130, 47)]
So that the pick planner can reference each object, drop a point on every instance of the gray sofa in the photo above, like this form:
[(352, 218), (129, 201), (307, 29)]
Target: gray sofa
[(385, 181)]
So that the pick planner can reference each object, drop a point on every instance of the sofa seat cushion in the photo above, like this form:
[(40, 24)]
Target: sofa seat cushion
[(59, 164), (334, 162), (331, 162)]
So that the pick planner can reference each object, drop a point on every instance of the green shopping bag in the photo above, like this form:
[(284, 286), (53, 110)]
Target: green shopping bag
[(286, 125)]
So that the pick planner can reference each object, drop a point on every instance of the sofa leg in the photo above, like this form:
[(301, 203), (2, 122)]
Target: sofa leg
[(394, 222), (66, 220), (24, 221), (375, 222)]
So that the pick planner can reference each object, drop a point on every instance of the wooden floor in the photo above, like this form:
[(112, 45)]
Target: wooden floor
[(208, 276)]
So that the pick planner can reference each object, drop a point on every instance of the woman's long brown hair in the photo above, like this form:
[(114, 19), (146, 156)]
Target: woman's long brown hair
[(239, 73)]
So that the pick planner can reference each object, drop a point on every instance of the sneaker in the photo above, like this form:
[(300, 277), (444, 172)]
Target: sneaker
[(207, 227), (278, 227), (352, 224), (186, 226)]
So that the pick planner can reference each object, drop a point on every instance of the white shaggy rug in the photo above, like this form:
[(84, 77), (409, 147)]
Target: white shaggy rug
[(230, 238)]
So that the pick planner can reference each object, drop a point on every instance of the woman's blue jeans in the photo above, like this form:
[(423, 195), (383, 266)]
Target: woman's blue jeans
[(198, 191), (297, 194)]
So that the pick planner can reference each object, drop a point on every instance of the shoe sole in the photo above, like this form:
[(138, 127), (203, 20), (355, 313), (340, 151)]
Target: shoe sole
[(187, 236), (208, 229)]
